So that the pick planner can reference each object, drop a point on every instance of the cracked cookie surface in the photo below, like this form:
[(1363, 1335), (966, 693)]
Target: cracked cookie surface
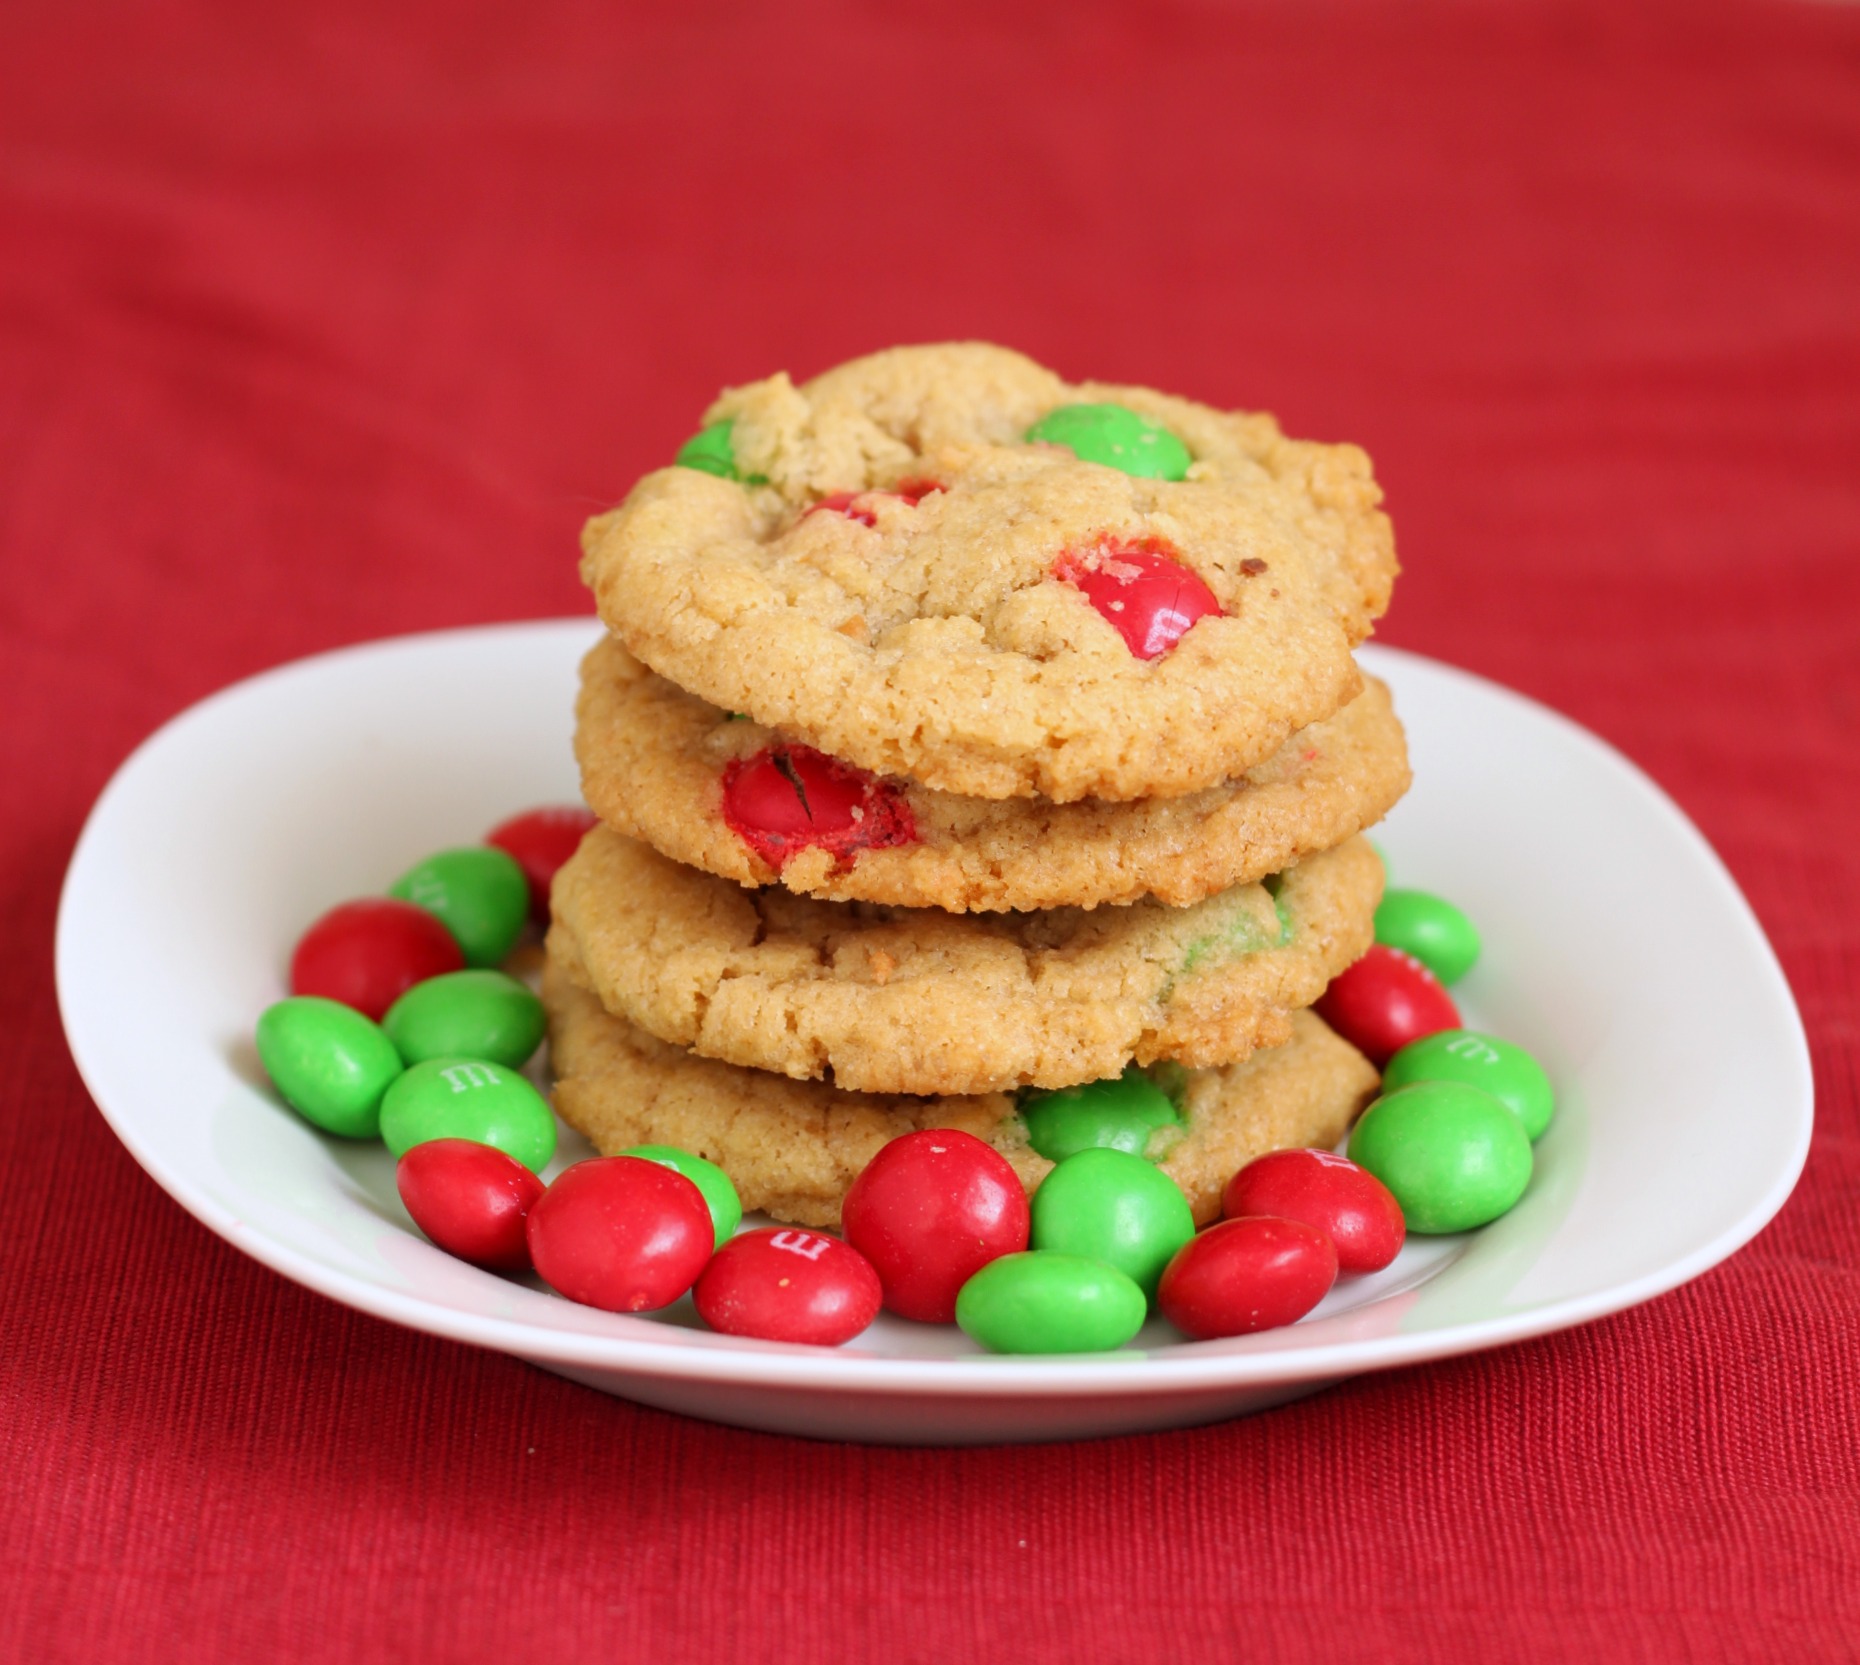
[(914, 1000), (654, 760), (793, 1147), (950, 635)]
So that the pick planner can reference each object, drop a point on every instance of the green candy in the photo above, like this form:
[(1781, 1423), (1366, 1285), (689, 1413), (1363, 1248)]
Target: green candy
[(1116, 437), (1111, 1206), (1454, 1156), (1509, 1073), (1129, 1112), (1435, 932), (479, 893), (710, 451), (713, 451), (1050, 1303), (466, 1014), (467, 1098), (726, 1208), (329, 1062)]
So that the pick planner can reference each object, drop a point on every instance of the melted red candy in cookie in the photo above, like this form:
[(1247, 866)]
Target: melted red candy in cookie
[(853, 505), (793, 798), (1142, 590)]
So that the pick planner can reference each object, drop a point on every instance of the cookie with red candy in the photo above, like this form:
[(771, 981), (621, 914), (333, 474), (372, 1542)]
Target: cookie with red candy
[(716, 790), (1109, 593)]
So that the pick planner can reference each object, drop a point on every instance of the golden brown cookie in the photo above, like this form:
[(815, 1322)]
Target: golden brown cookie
[(661, 765), (793, 1147), (913, 1000), (958, 605)]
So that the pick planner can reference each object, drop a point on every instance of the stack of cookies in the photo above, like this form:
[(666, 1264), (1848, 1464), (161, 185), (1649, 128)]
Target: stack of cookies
[(962, 735)]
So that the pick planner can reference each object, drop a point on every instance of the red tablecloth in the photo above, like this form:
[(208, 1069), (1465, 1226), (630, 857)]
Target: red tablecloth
[(325, 326)]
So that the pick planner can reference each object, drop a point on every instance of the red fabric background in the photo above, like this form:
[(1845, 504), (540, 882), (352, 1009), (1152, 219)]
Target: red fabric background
[(317, 326)]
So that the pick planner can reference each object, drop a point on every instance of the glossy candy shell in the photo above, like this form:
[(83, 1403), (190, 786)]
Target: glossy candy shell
[(467, 1014), (620, 1234), (479, 893), (472, 1200), (1454, 1156), (368, 953), (783, 1284), (1117, 437), (1123, 1113), (1507, 1072), (1111, 1206), (1434, 931), (329, 1063), (1354, 1209), (929, 1211), (1246, 1275), (1039, 1302), (719, 1193), (539, 841), (1384, 1001), (467, 1098)]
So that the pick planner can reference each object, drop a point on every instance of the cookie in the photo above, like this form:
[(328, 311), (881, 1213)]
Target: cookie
[(662, 765), (793, 1147), (913, 1000), (913, 566)]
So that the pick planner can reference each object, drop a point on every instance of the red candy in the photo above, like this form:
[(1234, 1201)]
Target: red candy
[(621, 1233), (367, 954), (1353, 1208), (788, 1285), (792, 798), (1384, 1001), (540, 840), (1143, 590), (1246, 1275), (853, 504), (929, 1212), (470, 1199)]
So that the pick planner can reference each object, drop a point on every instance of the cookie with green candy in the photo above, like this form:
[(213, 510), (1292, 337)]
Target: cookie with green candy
[(1027, 588)]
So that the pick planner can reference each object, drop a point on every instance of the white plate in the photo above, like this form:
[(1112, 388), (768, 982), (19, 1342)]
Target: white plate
[(1617, 949)]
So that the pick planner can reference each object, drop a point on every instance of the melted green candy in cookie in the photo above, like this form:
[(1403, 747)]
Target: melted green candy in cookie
[(1129, 1112), (712, 451), (1116, 437)]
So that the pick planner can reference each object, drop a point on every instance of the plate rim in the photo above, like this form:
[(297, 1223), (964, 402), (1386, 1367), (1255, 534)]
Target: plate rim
[(1183, 1369)]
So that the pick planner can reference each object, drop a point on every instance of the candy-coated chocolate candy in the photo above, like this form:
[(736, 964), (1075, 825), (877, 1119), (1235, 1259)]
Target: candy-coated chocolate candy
[(468, 1098), (726, 1207), (478, 892), (1454, 1156), (467, 1014), (620, 1234), (793, 798), (1384, 1001), (1040, 1302), (330, 1064), (784, 1284), (857, 505), (470, 1199), (1507, 1072), (1117, 437), (367, 954), (1111, 1206), (929, 1212), (539, 841), (1126, 1113), (1249, 1274), (846, 503), (1354, 1209), (1434, 931), (1143, 591), (710, 450)]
